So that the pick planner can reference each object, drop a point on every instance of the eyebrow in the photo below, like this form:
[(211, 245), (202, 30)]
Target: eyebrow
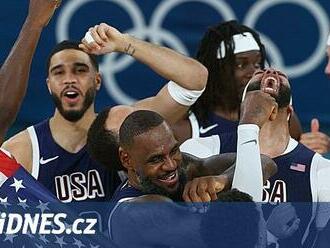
[(75, 65), (160, 154)]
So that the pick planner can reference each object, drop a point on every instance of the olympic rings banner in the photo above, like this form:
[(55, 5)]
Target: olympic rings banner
[(294, 31)]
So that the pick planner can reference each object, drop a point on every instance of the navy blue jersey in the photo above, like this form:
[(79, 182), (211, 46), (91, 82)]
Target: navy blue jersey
[(292, 180), (70, 176), (125, 191), (215, 125), (292, 183)]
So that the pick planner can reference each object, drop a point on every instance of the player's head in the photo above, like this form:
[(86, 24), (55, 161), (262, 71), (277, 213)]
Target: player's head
[(231, 52), (279, 82), (274, 79), (103, 136), (327, 68), (232, 221), (73, 79), (150, 153)]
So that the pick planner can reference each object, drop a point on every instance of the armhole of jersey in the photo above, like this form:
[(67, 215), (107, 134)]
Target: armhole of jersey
[(313, 177), (113, 211), (194, 125), (314, 191), (35, 152)]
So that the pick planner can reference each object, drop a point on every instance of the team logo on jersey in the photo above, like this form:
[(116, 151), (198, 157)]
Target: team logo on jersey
[(203, 130), (274, 193), (46, 161), (78, 186)]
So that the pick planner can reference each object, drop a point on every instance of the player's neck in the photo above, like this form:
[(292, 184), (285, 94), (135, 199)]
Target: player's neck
[(71, 136), (228, 115), (274, 138)]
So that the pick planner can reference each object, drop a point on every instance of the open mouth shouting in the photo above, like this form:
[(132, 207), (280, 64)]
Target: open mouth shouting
[(71, 95)]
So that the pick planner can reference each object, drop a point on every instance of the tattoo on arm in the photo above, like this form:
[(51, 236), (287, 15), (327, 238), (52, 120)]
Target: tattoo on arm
[(130, 50)]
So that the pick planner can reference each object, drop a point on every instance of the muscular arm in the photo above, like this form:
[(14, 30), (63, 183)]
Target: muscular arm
[(186, 72), (15, 71)]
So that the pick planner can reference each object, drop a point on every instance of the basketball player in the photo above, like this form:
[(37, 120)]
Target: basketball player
[(232, 53), (302, 173), (155, 165), (54, 150)]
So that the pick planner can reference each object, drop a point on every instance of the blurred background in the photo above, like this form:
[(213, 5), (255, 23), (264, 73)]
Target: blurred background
[(294, 32)]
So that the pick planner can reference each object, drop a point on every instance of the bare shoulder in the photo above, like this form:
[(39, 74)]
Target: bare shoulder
[(20, 147)]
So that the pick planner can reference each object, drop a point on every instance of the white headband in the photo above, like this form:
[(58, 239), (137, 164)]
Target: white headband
[(242, 43), (328, 42)]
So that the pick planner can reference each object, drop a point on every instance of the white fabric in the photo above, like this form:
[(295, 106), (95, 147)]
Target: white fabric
[(320, 187), (202, 147), (194, 125), (182, 95), (291, 146), (35, 152), (3, 177), (328, 41), (248, 170), (89, 38), (6, 152), (242, 43)]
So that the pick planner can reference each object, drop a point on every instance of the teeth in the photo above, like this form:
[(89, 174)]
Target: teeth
[(71, 94), (170, 176)]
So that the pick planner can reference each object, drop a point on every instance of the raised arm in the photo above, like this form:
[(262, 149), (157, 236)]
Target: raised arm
[(188, 74), (14, 72)]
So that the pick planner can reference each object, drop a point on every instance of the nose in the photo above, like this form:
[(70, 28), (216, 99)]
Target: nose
[(70, 78), (170, 164), (251, 70)]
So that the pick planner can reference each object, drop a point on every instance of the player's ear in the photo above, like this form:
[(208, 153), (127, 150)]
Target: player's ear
[(125, 158), (98, 80), (48, 86), (289, 111), (273, 115)]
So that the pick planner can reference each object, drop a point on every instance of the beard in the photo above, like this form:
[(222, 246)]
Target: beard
[(75, 115), (149, 187)]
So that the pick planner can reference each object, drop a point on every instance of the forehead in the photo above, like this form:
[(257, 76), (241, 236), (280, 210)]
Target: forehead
[(159, 139), (69, 56), (253, 54)]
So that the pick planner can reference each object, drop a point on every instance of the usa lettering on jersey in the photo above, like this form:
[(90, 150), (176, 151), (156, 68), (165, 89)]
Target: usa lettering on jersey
[(77, 186), (276, 192)]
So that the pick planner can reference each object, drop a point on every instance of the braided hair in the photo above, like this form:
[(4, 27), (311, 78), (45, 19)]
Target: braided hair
[(222, 88)]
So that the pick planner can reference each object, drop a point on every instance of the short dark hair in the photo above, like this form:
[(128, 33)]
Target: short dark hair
[(136, 124), (69, 44), (103, 144), (221, 89), (232, 221)]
